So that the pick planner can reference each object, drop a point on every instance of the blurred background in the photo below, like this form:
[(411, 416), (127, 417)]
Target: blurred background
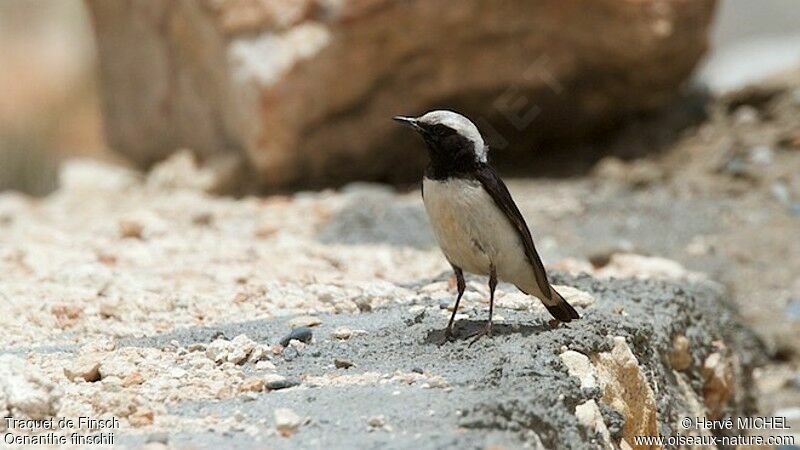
[(51, 108)]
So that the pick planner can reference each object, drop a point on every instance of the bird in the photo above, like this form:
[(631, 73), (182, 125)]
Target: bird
[(476, 223)]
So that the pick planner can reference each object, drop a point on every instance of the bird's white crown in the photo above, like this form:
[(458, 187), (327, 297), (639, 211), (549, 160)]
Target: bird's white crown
[(461, 125)]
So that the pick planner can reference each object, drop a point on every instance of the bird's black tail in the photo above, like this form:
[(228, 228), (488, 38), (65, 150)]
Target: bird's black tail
[(562, 310)]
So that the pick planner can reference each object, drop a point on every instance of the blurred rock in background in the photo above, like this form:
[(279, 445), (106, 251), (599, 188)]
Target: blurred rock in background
[(304, 90), (48, 100)]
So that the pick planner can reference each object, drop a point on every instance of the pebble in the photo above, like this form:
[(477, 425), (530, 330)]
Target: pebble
[(141, 418), (85, 370), (302, 334), (345, 333), (274, 382), (265, 365), (304, 321), (286, 421), (343, 363), (290, 353), (196, 347), (161, 438), (680, 357), (376, 422), (254, 384), (417, 370), (437, 381)]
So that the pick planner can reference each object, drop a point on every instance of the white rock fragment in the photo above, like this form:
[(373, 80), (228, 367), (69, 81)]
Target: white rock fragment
[(265, 365), (517, 301), (91, 175), (181, 171), (629, 265), (575, 296), (437, 382), (25, 392), (218, 350), (580, 367), (286, 421), (588, 413), (86, 369), (378, 423), (304, 321), (344, 333)]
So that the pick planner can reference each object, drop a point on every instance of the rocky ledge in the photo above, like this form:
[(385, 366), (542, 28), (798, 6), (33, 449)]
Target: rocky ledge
[(296, 321)]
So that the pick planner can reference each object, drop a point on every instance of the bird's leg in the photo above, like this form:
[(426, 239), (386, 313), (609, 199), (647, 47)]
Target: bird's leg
[(492, 285), (448, 334)]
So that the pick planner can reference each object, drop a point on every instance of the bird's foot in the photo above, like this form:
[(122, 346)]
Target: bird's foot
[(449, 335), (485, 332), (554, 323)]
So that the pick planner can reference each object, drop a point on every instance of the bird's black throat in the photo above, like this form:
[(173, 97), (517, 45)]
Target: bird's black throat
[(450, 156)]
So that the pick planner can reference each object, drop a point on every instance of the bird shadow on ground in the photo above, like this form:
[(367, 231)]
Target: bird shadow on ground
[(469, 329)]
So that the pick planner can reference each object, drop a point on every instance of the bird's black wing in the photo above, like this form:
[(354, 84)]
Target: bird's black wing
[(499, 193)]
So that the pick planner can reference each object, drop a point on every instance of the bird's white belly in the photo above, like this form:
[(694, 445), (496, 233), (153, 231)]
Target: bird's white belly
[(474, 233)]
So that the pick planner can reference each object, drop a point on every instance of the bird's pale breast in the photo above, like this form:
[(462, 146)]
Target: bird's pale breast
[(474, 233)]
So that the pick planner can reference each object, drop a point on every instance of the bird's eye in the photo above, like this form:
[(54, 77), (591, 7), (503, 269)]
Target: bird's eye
[(442, 130)]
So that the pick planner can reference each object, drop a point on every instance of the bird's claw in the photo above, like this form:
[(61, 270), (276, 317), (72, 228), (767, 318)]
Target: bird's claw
[(448, 336), (485, 332)]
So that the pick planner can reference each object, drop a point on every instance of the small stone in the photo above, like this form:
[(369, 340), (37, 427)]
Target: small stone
[(83, 369), (304, 321), (141, 418), (196, 347), (297, 345), (580, 367), (680, 358), (254, 384), (416, 309), (417, 370), (718, 386), (342, 333), (161, 438), (345, 333), (265, 365), (343, 363), (286, 421), (437, 381), (218, 350), (575, 296), (130, 229), (275, 382), (290, 353), (134, 378), (376, 422), (224, 393), (258, 354), (237, 356), (302, 334)]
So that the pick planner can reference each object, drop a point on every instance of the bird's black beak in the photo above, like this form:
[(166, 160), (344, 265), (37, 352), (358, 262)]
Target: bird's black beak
[(408, 121)]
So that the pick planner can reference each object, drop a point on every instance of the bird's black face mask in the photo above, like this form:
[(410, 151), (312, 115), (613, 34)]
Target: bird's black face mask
[(451, 154)]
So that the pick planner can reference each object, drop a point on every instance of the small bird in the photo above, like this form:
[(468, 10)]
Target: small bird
[(476, 222)]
